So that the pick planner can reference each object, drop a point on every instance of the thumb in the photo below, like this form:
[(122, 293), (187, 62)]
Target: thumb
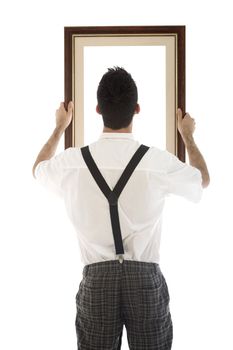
[(179, 114), (70, 106)]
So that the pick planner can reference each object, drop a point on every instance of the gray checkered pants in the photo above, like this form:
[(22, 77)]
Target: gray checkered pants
[(112, 294)]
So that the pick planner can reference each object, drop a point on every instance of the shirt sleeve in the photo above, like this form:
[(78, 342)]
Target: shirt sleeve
[(183, 180), (49, 173)]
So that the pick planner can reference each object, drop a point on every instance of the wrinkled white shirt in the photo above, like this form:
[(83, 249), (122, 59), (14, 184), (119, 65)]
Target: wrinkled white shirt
[(140, 205)]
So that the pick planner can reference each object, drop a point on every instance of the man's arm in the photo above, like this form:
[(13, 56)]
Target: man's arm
[(63, 119), (196, 159), (49, 149), (186, 127)]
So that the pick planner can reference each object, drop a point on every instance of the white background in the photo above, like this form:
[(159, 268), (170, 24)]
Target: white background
[(39, 255), (147, 65)]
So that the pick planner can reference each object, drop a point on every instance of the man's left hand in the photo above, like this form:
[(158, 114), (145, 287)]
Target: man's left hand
[(63, 117)]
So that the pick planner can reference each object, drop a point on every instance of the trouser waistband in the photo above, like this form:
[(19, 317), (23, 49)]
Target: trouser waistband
[(112, 266)]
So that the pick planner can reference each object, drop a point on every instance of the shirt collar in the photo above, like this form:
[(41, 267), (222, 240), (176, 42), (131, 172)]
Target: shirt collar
[(116, 135)]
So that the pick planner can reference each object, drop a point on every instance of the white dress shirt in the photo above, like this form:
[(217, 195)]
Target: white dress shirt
[(140, 205)]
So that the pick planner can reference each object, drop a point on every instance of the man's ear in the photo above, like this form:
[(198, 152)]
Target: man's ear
[(97, 109), (137, 108)]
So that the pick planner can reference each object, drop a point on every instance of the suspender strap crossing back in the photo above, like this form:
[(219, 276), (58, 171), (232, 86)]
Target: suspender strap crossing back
[(113, 195)]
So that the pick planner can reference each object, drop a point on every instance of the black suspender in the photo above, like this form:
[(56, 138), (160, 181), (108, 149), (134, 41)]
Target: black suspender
[(113, 195)]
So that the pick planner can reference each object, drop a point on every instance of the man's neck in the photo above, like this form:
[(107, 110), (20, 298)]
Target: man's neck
[(123, 130)]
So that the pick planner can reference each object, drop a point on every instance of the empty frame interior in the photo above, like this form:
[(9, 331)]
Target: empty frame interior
[(151, 59)]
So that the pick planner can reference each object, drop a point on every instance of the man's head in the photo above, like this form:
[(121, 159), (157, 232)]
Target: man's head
[(117, 98)]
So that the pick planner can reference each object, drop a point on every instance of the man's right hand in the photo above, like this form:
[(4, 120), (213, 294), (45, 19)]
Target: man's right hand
[(186, 125)]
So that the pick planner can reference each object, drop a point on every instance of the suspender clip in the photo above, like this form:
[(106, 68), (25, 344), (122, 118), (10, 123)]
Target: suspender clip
[(121, 258)]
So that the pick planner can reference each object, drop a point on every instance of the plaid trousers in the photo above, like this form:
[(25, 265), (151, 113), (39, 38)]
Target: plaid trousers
[(132, 293)]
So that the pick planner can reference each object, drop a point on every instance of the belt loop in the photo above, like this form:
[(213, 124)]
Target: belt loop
[(85, 271), (155, 266)]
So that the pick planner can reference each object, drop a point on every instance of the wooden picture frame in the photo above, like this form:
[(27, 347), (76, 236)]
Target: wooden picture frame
[(172, 38)]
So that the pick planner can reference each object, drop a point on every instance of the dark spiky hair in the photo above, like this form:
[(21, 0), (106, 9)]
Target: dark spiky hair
[(117, 98)]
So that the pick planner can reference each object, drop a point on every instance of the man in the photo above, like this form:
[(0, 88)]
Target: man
[(114, 190)]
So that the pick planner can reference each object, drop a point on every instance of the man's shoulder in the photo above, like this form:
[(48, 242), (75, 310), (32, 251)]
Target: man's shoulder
[(157, 159), (160, 154), (68, 157)]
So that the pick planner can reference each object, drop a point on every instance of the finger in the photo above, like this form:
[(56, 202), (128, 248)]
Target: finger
[(62, 105), (179, 113), (71, 105)]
